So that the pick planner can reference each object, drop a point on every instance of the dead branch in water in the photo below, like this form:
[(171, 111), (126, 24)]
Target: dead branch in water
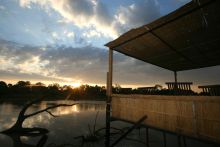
[(17, 128)]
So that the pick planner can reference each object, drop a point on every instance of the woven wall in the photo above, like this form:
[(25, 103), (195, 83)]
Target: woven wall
[(196, 116)]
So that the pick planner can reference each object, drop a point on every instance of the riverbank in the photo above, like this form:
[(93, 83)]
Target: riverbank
[(29, 97)]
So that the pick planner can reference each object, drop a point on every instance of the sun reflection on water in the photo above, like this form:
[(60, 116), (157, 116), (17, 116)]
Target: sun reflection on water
[(9, 112), (72, 120)]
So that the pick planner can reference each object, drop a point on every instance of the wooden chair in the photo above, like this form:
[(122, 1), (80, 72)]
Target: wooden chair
[(213, 90), (180, 88)]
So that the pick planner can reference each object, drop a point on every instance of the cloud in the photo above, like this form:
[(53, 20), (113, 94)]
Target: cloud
[(92, 33), (70, 34), (94, 14), (136, 14), (83, 13), (2, 7), (25, 3), (82, 61), (54, 34), (66, 64), (22, 58), (87, 65)]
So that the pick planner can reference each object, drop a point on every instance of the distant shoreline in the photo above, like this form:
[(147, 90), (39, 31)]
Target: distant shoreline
[(22, 99)]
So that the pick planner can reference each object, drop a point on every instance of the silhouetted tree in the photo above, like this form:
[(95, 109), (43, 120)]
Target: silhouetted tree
[(158, 87), (24, 89), (54, 89), (116, 88), (3, 87), (23, 83), (21, 87), (10, 85), (40, 84)]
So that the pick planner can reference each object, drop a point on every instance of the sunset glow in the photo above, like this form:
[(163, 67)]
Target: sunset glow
[(64, 43), (76, 85)]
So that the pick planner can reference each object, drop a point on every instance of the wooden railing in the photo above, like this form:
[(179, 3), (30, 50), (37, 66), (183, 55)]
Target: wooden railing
[(180, 88), (213, 90)]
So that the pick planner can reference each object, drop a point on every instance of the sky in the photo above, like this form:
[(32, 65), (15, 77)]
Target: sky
[(62, 41)]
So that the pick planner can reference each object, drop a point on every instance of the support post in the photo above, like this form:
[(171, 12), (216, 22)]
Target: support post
[(184, 141), (164, 139), (179, 140), (108, 101), (109, 80), (175, 85), (175, 76), (147, 137)]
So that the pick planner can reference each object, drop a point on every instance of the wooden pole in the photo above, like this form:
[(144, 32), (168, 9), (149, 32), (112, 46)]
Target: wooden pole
[(107, 84), (147, 137), (108, 101), (184, 141), (175, 85), (179, 140), (110, 70), (175, 76), (164, 139)]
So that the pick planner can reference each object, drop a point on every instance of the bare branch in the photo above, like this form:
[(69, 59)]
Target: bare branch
[(26, 106), (17, 127), (51, 113)]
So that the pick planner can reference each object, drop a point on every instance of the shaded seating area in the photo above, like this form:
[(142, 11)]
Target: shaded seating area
[(180, 88), (212, 90), (185, 39)]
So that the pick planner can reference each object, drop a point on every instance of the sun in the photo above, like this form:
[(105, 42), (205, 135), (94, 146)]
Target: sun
[(75, 84)]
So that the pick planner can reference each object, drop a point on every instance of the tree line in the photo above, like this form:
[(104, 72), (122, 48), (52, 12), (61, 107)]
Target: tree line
[(25, 89)]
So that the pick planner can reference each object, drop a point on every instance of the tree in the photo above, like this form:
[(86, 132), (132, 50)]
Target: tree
[(3, 87), (40, 84), (3, 84), (116, 88), (10, 85), (158, 87), (23, 83)]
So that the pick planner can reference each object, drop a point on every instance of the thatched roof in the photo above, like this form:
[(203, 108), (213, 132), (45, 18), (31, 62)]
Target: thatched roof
[(185, 39)]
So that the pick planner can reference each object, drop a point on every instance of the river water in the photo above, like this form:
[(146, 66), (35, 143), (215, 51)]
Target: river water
[(75, 121)]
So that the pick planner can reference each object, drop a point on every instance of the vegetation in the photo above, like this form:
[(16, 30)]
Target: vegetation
[(24, 89)]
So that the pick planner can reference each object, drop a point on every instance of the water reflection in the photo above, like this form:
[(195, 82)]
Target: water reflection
[(9, 112), (73, 121), (21, 141)]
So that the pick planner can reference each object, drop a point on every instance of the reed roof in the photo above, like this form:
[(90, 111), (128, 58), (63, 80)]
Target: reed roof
[(185, 39)]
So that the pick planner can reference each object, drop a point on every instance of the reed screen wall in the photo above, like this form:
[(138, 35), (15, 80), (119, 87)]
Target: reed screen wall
[(195, 116)]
